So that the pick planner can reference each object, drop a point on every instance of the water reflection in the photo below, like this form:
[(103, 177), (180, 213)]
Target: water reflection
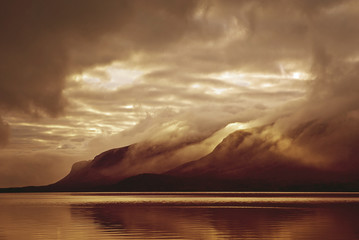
[(223, 222), (178, 216)]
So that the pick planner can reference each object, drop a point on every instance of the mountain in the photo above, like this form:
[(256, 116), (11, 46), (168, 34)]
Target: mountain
[(115, 165), (92, 174), (244, 164), (317, 155), (302, 158)]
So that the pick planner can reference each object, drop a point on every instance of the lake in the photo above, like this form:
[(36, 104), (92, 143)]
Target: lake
[(179, 216)]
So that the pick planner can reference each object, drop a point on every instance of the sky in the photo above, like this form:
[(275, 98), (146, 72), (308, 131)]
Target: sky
[(81, 77)]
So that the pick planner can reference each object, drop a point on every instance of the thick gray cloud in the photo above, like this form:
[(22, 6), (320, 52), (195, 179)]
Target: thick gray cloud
[(44, 42)]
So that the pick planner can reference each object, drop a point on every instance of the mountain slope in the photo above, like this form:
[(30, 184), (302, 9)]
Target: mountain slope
[(254, 159), (89, 174), (114, 165), (313, 156)]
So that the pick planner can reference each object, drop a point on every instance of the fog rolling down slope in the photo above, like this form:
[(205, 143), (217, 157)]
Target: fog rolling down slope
[(301, 158)]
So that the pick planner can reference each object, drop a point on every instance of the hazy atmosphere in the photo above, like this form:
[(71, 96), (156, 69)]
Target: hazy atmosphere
[(81, 77)]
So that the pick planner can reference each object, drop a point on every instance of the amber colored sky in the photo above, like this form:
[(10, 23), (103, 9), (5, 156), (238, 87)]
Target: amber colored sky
[(80, 77)]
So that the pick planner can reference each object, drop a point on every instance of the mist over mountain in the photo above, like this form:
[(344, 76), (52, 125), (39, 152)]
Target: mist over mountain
[(314, 143), (250, 159), (305, 158), (191, 95)]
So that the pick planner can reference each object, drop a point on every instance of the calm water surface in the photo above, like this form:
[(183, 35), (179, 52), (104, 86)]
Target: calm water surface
[(179, 216)]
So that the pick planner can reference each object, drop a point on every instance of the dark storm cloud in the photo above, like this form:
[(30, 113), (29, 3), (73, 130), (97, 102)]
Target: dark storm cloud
[(249, 36), (43, 42)]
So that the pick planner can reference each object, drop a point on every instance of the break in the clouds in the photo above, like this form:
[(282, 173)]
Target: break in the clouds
[(79, 77)]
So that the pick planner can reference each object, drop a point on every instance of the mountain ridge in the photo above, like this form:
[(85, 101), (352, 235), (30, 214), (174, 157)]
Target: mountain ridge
[(245, 160)]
